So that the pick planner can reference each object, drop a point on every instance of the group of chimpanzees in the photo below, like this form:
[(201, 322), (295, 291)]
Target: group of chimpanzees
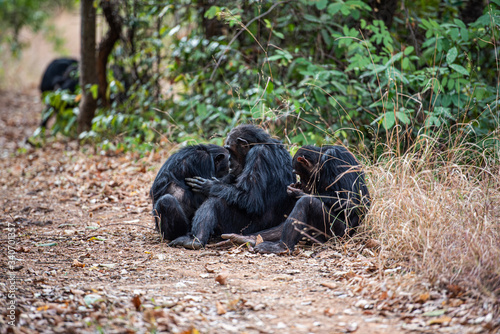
[(248, 189)]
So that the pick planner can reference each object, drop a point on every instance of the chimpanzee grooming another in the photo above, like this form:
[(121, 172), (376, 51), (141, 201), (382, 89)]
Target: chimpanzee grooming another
[(254, 200), (332, 200), (62, 73), (174, 203)]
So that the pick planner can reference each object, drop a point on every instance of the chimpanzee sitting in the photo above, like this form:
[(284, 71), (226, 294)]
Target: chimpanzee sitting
[(174, 203), (256, 199), (61, 73), (332, 200)]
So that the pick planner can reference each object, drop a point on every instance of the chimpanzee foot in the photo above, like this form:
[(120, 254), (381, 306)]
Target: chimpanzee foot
[(240, 239), (186, 241), (268, 247)]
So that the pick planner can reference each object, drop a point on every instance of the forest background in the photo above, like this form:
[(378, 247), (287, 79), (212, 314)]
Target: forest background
[(410, 86)]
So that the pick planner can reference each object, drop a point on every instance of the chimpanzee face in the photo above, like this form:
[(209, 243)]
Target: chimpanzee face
[(305, 165), (221, 163), (238, 149)]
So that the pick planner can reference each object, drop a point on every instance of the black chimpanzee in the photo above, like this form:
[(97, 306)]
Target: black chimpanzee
[(174, 203), (256, 197), (62, 73), (332, 200)]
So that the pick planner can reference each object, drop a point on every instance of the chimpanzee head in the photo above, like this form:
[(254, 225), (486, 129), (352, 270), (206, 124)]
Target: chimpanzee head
[(306, 164), (221, 163), (220, 157), (240, 141)]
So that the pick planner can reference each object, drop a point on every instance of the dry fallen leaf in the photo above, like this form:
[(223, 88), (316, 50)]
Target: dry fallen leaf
[(220, 308), (441, 320), (221, 278), (329, 285), (423, 298), (209, 270), (372, 243), (136, 300), (329, 312), (77, 264)]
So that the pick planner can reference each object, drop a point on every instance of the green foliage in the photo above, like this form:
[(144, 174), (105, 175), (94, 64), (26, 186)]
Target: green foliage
[(17, 14), (334, 71), (319, 71)]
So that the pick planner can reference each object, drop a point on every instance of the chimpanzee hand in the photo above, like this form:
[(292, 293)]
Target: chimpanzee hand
[(200, 185), (186, 241), (294, 192)]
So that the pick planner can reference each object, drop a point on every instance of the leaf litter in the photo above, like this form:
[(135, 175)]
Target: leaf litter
[(89, 260)]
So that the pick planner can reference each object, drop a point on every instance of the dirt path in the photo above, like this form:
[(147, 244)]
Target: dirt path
[(79, 255)]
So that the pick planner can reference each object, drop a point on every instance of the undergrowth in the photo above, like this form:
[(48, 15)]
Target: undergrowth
[(437, 212)]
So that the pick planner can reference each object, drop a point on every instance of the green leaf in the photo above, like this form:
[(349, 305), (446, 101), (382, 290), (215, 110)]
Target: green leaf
[(50, 244), (270, 87), (459, 23), (212, 12), (406, 63), (465, 34), (451, 55), (321, 4), (388, 120), (435, 313), (460, 69), (94, 89), (334, 8), (403, 117), (409, 50), (278, 34)]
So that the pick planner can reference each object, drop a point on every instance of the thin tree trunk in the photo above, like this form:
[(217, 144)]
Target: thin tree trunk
[(106, 46), (88, 75)]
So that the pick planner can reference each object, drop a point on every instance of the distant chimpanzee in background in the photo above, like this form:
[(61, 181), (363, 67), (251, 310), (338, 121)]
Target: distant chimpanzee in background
[(332, 200), (62, 73), (254, 200), (59, 75), (174, 203)]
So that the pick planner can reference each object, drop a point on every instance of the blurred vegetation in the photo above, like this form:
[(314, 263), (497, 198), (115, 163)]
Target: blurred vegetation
[(377, 76), (32, 14)]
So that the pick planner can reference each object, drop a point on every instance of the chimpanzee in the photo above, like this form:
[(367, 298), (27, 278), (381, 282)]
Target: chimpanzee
[(58, 75), (255, 199), (332, 200), (174, 203), (62, 73)]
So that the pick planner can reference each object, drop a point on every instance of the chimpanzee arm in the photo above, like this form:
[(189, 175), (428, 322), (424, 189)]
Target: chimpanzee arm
[(262, 183), (250, 187)]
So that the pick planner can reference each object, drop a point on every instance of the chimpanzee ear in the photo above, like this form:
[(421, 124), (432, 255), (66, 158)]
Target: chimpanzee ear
[(304, 161), (242, 142), (219, 157)]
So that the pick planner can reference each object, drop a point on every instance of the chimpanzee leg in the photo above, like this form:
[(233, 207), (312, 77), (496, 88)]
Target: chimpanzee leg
[(213, 216), (170, 219), (308, 220), (271, 234)]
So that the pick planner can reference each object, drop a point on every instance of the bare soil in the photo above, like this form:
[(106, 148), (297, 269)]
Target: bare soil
[(79, 255)]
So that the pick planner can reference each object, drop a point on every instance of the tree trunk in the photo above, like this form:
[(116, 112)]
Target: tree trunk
[(106, 46), (88, 76)]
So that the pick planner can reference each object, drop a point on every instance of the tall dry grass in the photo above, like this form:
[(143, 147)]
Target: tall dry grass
[(438, 213)]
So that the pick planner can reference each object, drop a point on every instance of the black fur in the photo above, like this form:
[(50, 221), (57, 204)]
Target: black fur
[(332, 198), (255, 199), (174, 203), (58, 75), (61, 73)]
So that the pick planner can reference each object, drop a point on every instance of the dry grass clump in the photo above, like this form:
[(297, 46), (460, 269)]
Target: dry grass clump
[(438, 216)]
